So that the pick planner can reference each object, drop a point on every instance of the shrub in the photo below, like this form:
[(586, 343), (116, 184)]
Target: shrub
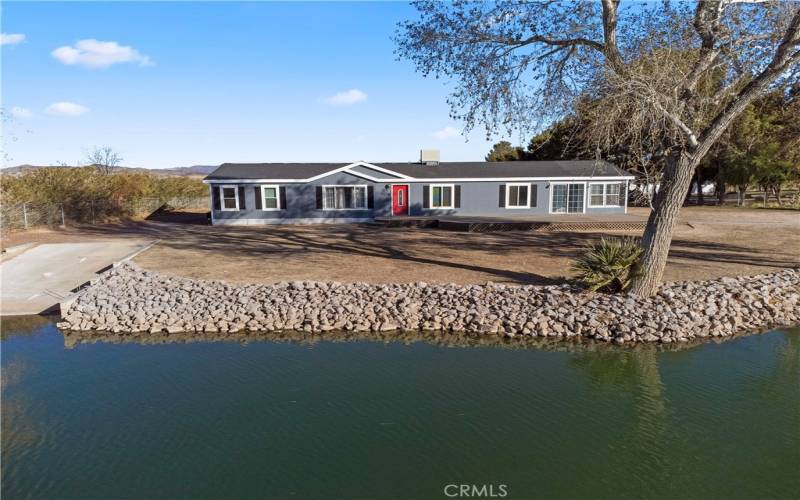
[(609, 265)]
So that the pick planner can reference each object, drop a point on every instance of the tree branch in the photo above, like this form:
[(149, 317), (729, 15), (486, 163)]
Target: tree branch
[(690, 135), (610, 48), (786, 56), (706, 24)]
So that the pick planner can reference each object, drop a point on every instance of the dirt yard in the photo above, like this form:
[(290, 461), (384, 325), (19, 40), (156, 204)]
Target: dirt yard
[(709, 242)]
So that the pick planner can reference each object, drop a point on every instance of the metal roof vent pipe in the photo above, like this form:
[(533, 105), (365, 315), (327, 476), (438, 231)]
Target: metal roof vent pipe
[(429, 157)]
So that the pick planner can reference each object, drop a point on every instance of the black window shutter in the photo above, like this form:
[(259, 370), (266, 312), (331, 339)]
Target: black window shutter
[(242, 204), (534, 189), (319, 197), (282, 197), (257, 190), (370, 197), (215, 197), (457, 196), (502, 200), (426, 198)]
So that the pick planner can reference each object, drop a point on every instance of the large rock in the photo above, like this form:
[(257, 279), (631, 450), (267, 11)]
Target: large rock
[(128, 299)]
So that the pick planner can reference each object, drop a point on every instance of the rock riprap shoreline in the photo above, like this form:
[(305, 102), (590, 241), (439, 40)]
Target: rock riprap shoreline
[(129, 299)]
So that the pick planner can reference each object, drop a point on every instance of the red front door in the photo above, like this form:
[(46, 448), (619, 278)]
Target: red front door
[(400, 199)]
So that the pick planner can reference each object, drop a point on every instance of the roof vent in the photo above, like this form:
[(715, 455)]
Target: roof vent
[(429, 157)]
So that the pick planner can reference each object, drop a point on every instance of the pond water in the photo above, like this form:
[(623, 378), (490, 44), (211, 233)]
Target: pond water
[(271, 418)]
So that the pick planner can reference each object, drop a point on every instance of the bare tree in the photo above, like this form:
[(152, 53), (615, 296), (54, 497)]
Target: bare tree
[(673, 76), (104, 159)]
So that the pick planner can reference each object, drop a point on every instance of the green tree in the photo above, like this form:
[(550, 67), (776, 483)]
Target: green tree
[(560, 141), (505, 151), (518, 64)]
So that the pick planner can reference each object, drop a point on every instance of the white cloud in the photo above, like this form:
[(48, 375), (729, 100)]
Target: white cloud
[(18, 112), (11, 38), (346, 98), (93, 53), (446, 133), (66, 109)]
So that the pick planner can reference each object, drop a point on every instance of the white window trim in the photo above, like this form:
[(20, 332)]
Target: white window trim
[(452, 196), (585, 194), (277, 197), (605, 194), (508, 195), (325, 198), (222, 198)]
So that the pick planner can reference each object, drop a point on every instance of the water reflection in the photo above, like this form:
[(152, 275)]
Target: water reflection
[(594, 420), (438, 338), (22, 325), (636, 372)]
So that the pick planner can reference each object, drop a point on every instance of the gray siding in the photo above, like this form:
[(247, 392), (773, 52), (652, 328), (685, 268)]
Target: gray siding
[(477, 198), (301, 202), (373, 173)]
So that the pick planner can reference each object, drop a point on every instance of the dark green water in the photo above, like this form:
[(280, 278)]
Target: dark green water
[(368, 419)]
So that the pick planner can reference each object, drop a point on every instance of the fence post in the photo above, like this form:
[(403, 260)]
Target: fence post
[(25, 215), (63, 222)]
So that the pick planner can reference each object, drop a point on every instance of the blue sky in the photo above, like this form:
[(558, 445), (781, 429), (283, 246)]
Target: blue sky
[(204, 83)]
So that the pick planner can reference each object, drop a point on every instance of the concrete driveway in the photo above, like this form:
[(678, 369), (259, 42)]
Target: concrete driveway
[(41, 277)]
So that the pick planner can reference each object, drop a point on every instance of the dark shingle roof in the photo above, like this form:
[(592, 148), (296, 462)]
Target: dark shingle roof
[(588, 168), (230, 171), (445, 170)]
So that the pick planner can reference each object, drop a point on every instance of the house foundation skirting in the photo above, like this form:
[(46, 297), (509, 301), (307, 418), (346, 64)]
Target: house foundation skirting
[(269, 222)]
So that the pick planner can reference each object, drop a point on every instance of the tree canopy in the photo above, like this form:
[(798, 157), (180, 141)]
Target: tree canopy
[(673, 77)]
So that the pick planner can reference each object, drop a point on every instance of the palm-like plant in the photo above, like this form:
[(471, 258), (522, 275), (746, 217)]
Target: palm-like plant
[(609, 265)]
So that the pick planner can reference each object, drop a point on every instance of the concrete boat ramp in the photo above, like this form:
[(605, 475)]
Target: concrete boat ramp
[(36, 278)]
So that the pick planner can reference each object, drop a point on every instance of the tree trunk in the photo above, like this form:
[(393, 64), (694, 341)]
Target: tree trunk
[(777, 192), (687, 200), (720, 188), (658, 232), (764, 202)]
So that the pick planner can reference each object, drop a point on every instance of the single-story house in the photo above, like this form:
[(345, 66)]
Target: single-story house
[(274, 193)]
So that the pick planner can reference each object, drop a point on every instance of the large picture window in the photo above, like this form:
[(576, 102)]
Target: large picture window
[(345, 197), (518, 196), (230, 198), (442, 196), (607, 194)]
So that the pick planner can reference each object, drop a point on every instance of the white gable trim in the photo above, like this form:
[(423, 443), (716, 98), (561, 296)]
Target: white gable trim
[(348, 169), (380, 169)]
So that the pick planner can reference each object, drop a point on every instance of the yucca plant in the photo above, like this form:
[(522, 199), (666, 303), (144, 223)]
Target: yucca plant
[(609, 265)]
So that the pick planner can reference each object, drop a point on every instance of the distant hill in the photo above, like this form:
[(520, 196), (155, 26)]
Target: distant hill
[(178, 171)]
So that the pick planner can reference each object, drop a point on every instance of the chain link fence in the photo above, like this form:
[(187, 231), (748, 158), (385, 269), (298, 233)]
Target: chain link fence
[(25, 216)]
